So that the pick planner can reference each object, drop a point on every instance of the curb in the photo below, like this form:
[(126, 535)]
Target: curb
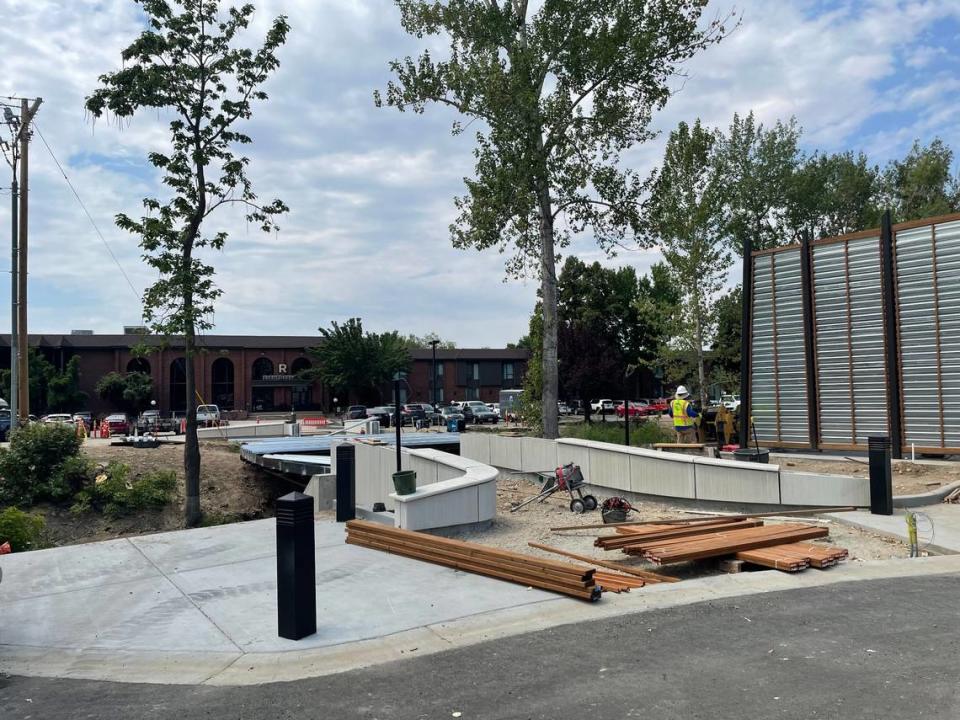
[(938, 550), (920, 499)]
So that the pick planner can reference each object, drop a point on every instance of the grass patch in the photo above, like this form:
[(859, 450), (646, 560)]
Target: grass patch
[(642, 433)]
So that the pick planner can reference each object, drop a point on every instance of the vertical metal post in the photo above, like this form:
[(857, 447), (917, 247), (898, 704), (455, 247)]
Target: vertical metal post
[(14, 336), (881, 475), (807, 300), (296, 567), (746, 321), (891, 345), (433, 381), (346, 482), (399, 423)]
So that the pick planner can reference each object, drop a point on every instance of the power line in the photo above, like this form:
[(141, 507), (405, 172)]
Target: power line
[(87, 213)]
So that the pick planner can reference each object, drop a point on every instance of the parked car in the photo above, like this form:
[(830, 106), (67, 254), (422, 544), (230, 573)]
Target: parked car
[(208, 415), (564, 409), (155, 421), (431, 413), (356, 412), (451, 411), (658, 407), (4, 425), (382, 413), (604, 405), (85, 416), (59, 419), (730, 402), (412, 413), (638, 408), (118, 424), (495, 407), (482, 414)]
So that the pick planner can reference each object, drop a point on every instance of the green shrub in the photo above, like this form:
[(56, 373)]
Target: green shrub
[(646, 432), (29, 469), (22, 530), (114, 492), (75, 474)]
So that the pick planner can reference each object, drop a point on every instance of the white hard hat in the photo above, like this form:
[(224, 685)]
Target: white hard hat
[(682, 392)]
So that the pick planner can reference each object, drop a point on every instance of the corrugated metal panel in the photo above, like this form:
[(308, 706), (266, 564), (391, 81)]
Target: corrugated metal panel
[(778, 370), (848, 312), (919, 347), (930, 333), (763, 398)]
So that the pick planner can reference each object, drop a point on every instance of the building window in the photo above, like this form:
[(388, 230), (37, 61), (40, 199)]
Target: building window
[(475, 374), (473, 393), (178, 385), (139, 365), (508, 371), (439, 369), (439, 394), (222, 382)]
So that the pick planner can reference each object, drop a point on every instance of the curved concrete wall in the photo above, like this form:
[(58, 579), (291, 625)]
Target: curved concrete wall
[(651, 472)]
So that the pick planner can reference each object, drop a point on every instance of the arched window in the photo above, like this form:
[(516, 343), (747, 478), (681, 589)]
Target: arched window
[(263, 395), (300, 394), (299, 365), (262, 366), (140, 365), (222, 378), (178, 385)]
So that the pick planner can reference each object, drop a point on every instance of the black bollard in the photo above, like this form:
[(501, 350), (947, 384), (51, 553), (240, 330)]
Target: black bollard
[(346, 483), (296, 570), (881, 476)]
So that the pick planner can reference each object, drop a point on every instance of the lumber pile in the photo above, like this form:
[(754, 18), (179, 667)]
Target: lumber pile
[(794, 556), (546, 574)]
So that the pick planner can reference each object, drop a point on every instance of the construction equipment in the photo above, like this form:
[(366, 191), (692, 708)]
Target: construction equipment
[(567, 478)]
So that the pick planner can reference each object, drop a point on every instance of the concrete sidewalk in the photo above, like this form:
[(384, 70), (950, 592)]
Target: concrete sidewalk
[(199, 606), (944, 516)]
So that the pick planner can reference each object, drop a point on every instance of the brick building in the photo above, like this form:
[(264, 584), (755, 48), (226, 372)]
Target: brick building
[(260, 373)]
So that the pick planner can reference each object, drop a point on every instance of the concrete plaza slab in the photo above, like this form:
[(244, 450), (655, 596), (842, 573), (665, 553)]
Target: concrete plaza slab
[(939, 531), (199, 606)]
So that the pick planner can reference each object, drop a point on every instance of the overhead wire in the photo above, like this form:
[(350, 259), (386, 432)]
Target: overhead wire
[(87, 213)]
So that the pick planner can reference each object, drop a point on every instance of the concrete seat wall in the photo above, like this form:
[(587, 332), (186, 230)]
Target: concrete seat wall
[(666, 474), (451, 490)]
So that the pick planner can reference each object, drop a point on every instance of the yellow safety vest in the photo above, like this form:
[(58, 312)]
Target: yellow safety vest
[(680, 418)]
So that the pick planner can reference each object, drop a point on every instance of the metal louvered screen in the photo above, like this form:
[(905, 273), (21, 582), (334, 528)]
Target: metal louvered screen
[(778, 381), (928, 287)]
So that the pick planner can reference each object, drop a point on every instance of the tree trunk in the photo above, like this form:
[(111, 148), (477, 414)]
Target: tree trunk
[(548, 288), (191, 448), (701, 374)]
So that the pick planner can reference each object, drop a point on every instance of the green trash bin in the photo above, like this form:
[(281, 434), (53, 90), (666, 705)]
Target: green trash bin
[(405, 482)]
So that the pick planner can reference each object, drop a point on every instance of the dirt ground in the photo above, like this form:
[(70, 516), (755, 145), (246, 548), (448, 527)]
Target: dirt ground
[(230, 490), (512, 531), (908, 478)]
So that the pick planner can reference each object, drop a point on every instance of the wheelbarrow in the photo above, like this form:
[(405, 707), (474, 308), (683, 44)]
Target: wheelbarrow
[(567, 478)]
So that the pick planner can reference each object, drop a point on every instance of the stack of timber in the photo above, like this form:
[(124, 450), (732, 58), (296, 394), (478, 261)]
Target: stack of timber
[(660, 546), (561, 577), (794, 556)]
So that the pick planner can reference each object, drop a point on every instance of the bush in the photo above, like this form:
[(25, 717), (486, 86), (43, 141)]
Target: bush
[(646, 432), (114, 492), (29, 469), (75, 474), (22, 530)]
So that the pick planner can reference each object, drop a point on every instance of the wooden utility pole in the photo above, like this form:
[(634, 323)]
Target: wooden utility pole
[(27, 111)]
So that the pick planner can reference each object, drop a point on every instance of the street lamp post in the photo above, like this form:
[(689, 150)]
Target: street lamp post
[(433, 381)]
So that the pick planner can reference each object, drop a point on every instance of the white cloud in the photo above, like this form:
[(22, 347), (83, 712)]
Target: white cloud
[(371, 191)]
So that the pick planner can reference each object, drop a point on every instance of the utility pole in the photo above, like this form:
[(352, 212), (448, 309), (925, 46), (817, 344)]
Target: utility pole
[(27, 111), (433, 382), (14, 336)]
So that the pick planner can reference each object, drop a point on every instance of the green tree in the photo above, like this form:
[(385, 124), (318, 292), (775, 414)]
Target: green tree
[(831, 195), (687, 215), (757, 165), (130, 392), (921, 185), (189, 63), (416, 342), (559, 93), (658, 298), (359, 363), (63, 388), (726, 342)]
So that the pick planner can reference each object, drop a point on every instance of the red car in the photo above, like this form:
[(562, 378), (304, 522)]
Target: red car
[(118, 424), (637, 409), (658, 407)]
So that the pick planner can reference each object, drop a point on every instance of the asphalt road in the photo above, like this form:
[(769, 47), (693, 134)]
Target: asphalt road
[(871, 650)]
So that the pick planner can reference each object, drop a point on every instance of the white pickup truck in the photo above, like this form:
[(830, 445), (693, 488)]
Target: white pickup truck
[(602, 405), (208, 415)]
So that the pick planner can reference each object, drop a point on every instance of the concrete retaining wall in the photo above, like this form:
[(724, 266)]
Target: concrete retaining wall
[(650, 472), (451, 490)]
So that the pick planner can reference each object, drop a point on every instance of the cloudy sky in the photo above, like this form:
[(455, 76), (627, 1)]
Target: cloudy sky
[(371, 191)]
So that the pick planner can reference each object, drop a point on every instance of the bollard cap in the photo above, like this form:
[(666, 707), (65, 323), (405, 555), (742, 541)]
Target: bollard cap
[(878, 441), (295, 497)]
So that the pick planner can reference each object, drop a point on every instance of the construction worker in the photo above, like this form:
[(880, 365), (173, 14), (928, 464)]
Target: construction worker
[(684, 417)]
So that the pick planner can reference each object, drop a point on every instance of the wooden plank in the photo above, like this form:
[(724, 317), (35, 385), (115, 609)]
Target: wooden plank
[(616, 542), (648, 576), (591, 593), (731, 546), (719, 517)]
